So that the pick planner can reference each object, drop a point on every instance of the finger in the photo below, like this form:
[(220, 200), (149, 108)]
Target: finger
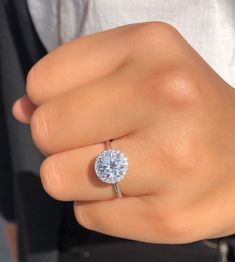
[(23, 109), (85, 59), (90, 114), (70, 175), (129, 217)]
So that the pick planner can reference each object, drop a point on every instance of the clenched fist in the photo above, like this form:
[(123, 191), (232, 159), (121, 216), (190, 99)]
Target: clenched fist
[(145, 88)]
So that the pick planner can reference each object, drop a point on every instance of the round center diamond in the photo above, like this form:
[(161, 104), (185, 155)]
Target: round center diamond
[(111, 166)]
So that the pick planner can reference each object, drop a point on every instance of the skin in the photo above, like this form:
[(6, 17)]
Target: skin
[(11, 231), (145, 87)]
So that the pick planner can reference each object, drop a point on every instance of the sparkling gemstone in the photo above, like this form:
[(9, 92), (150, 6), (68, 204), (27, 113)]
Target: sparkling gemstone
[(111, 166)]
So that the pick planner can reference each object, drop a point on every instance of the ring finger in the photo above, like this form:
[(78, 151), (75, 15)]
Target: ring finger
[(70, 175)]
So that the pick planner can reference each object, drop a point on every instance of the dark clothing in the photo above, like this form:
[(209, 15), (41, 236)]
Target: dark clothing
[(47, 228)]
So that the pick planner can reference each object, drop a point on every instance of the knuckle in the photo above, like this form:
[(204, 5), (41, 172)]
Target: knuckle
[(175, 225), (172, 219), (178, 228), (150, 34), (39, 130), (152, 28), (172, 88), (51, 179), (178, 88)]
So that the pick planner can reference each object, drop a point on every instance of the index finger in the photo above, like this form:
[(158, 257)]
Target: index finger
[(80, 61)]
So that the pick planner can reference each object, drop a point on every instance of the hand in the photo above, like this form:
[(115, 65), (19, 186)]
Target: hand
[(173, 116)]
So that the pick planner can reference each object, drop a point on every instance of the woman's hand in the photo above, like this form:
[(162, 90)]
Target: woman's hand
[(173, 116)]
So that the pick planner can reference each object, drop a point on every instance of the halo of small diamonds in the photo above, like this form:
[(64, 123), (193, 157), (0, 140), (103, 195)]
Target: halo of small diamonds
[(111, 166)]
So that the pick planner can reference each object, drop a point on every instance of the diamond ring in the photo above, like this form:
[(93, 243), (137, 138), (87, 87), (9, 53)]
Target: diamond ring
[(111, 166)]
